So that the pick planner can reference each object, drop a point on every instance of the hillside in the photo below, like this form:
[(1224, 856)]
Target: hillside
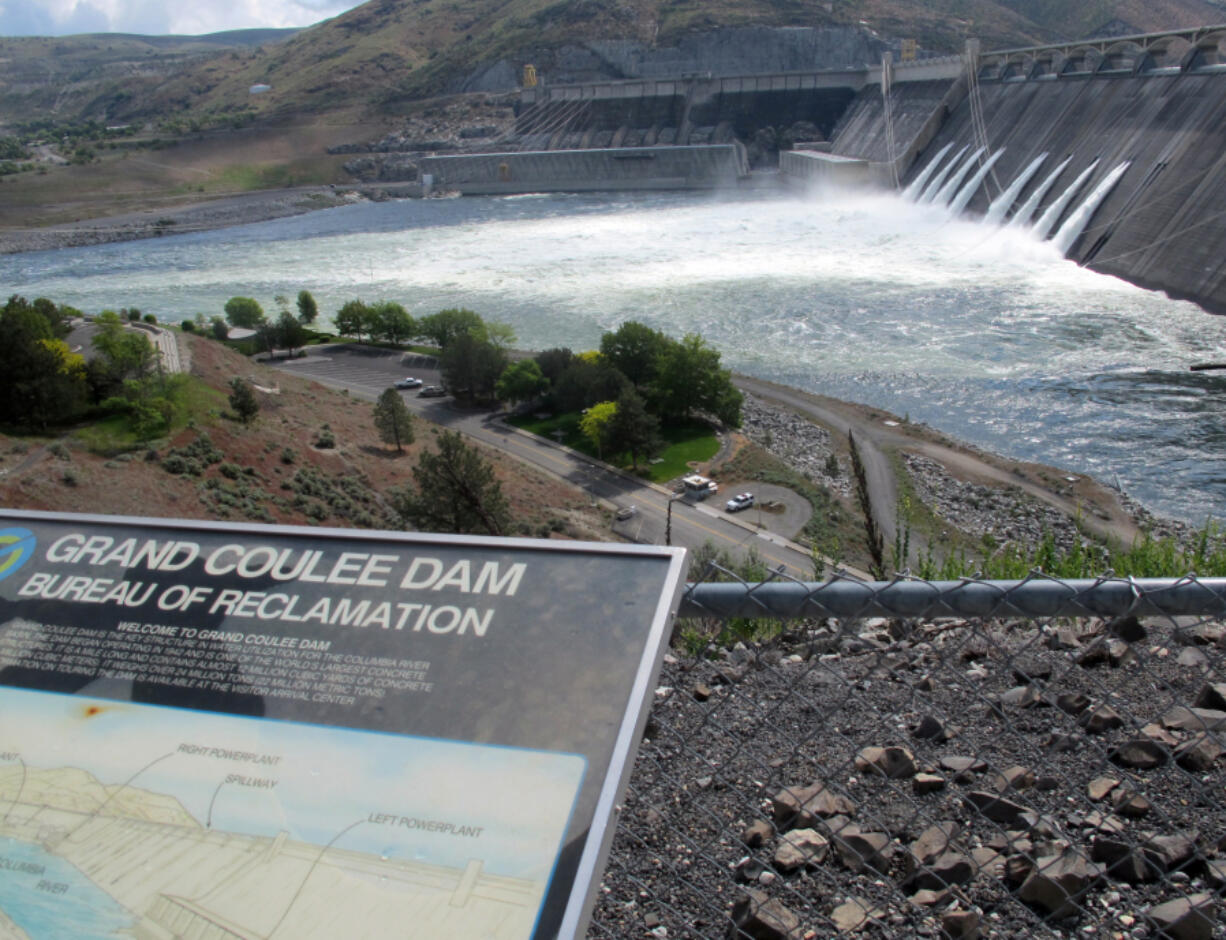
[(386, 53), (88, 76), (122, 124), (271, 471)]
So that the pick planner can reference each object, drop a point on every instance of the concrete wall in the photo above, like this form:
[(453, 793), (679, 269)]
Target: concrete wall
[(743, 104), (861, 130), (583, 170), (1162, 226), (810, 168)]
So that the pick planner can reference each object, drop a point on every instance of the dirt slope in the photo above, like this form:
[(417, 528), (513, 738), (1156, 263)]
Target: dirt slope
[(272, 471)]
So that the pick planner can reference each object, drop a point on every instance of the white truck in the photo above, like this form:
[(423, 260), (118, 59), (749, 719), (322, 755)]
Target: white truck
[(698, 487)]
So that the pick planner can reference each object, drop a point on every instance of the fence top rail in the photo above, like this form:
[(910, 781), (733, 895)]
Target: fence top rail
[(1037, 596)]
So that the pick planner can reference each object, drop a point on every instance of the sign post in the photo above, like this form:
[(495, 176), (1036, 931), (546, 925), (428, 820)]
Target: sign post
[(294, 732)]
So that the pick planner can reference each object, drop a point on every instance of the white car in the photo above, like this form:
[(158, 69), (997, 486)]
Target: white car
[(409, 382), (739, 501)]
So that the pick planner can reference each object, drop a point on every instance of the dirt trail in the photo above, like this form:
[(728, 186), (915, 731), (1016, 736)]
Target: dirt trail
[(1099, 508)]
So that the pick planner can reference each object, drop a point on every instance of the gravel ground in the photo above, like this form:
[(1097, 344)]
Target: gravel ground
[(1007, 514), (1075, 834), (940, 778), (800, 443)]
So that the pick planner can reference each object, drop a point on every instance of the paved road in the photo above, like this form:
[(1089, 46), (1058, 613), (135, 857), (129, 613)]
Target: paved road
[(367, 372)]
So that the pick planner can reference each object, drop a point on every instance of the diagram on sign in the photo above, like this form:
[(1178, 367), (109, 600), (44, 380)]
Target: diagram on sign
[(118, 818)]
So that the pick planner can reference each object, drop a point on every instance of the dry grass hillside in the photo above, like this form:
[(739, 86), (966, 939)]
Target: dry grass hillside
[(271, 471), (384, 53), (387, 52)]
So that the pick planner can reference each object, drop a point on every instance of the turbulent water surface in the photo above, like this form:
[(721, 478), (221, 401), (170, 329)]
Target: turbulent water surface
[(981, 331)]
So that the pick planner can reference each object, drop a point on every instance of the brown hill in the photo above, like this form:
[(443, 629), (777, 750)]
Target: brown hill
[(271, 471), (386, 52)]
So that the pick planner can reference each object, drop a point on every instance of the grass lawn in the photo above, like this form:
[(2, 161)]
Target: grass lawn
[(685, 443), (191, 400)]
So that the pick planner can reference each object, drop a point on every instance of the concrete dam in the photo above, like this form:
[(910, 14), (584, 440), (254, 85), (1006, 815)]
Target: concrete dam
[(1143, 118), (1115, 148)]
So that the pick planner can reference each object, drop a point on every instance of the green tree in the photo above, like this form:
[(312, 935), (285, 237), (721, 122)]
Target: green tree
[(596, 422), (633, 430), (44, 381), (352, 319), (125, 365), (268, 336), (501, 335), (393, 420), (554, 362), (290, 332), (219, 328), (394, 323), (635, 350), (57, 315), (520, 381), (583, 383), (127, 354), (690, 381), (308, 310), (444, 327), (471, 367), (455, 491), (243, 400), (244, 312)]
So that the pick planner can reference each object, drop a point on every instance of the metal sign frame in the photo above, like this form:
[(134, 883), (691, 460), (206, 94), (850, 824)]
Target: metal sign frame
[(656, 580)]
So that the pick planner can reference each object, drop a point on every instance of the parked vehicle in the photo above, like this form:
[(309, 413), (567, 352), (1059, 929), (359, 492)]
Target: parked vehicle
[(738, 502), (408, 382), (432, 391), (698, 487)]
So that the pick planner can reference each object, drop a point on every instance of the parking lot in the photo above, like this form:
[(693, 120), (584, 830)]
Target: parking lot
[(366, 372)]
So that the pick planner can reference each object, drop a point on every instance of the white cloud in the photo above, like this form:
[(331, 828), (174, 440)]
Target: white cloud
[(156, 17)]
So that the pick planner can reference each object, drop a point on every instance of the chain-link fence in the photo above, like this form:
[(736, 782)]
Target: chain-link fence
[(962, 759)]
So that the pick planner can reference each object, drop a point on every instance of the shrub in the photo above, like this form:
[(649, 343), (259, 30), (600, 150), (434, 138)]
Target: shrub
[(70, 477), (181, 466), (188, 326), (57, 449), (325, 439), (229, 470), (287, 455)]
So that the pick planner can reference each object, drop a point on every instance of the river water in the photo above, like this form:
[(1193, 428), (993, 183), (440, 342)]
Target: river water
[(46, 896), (983, 332)]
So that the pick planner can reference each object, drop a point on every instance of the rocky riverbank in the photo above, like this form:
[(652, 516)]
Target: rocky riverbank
[(198, 216), (970, 492)]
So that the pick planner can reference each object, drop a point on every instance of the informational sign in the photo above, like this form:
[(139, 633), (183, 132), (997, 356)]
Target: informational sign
[(255, 731)]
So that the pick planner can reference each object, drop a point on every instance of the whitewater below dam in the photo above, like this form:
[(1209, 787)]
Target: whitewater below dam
[(982, 331)]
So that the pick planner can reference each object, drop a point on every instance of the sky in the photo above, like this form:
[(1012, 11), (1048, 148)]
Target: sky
[(157, 17)]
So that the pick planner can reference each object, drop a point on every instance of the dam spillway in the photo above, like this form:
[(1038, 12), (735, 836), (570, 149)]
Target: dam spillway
[(1161, 110), (1153, 102)]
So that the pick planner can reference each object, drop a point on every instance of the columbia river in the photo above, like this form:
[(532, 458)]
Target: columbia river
[(982, 332)]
